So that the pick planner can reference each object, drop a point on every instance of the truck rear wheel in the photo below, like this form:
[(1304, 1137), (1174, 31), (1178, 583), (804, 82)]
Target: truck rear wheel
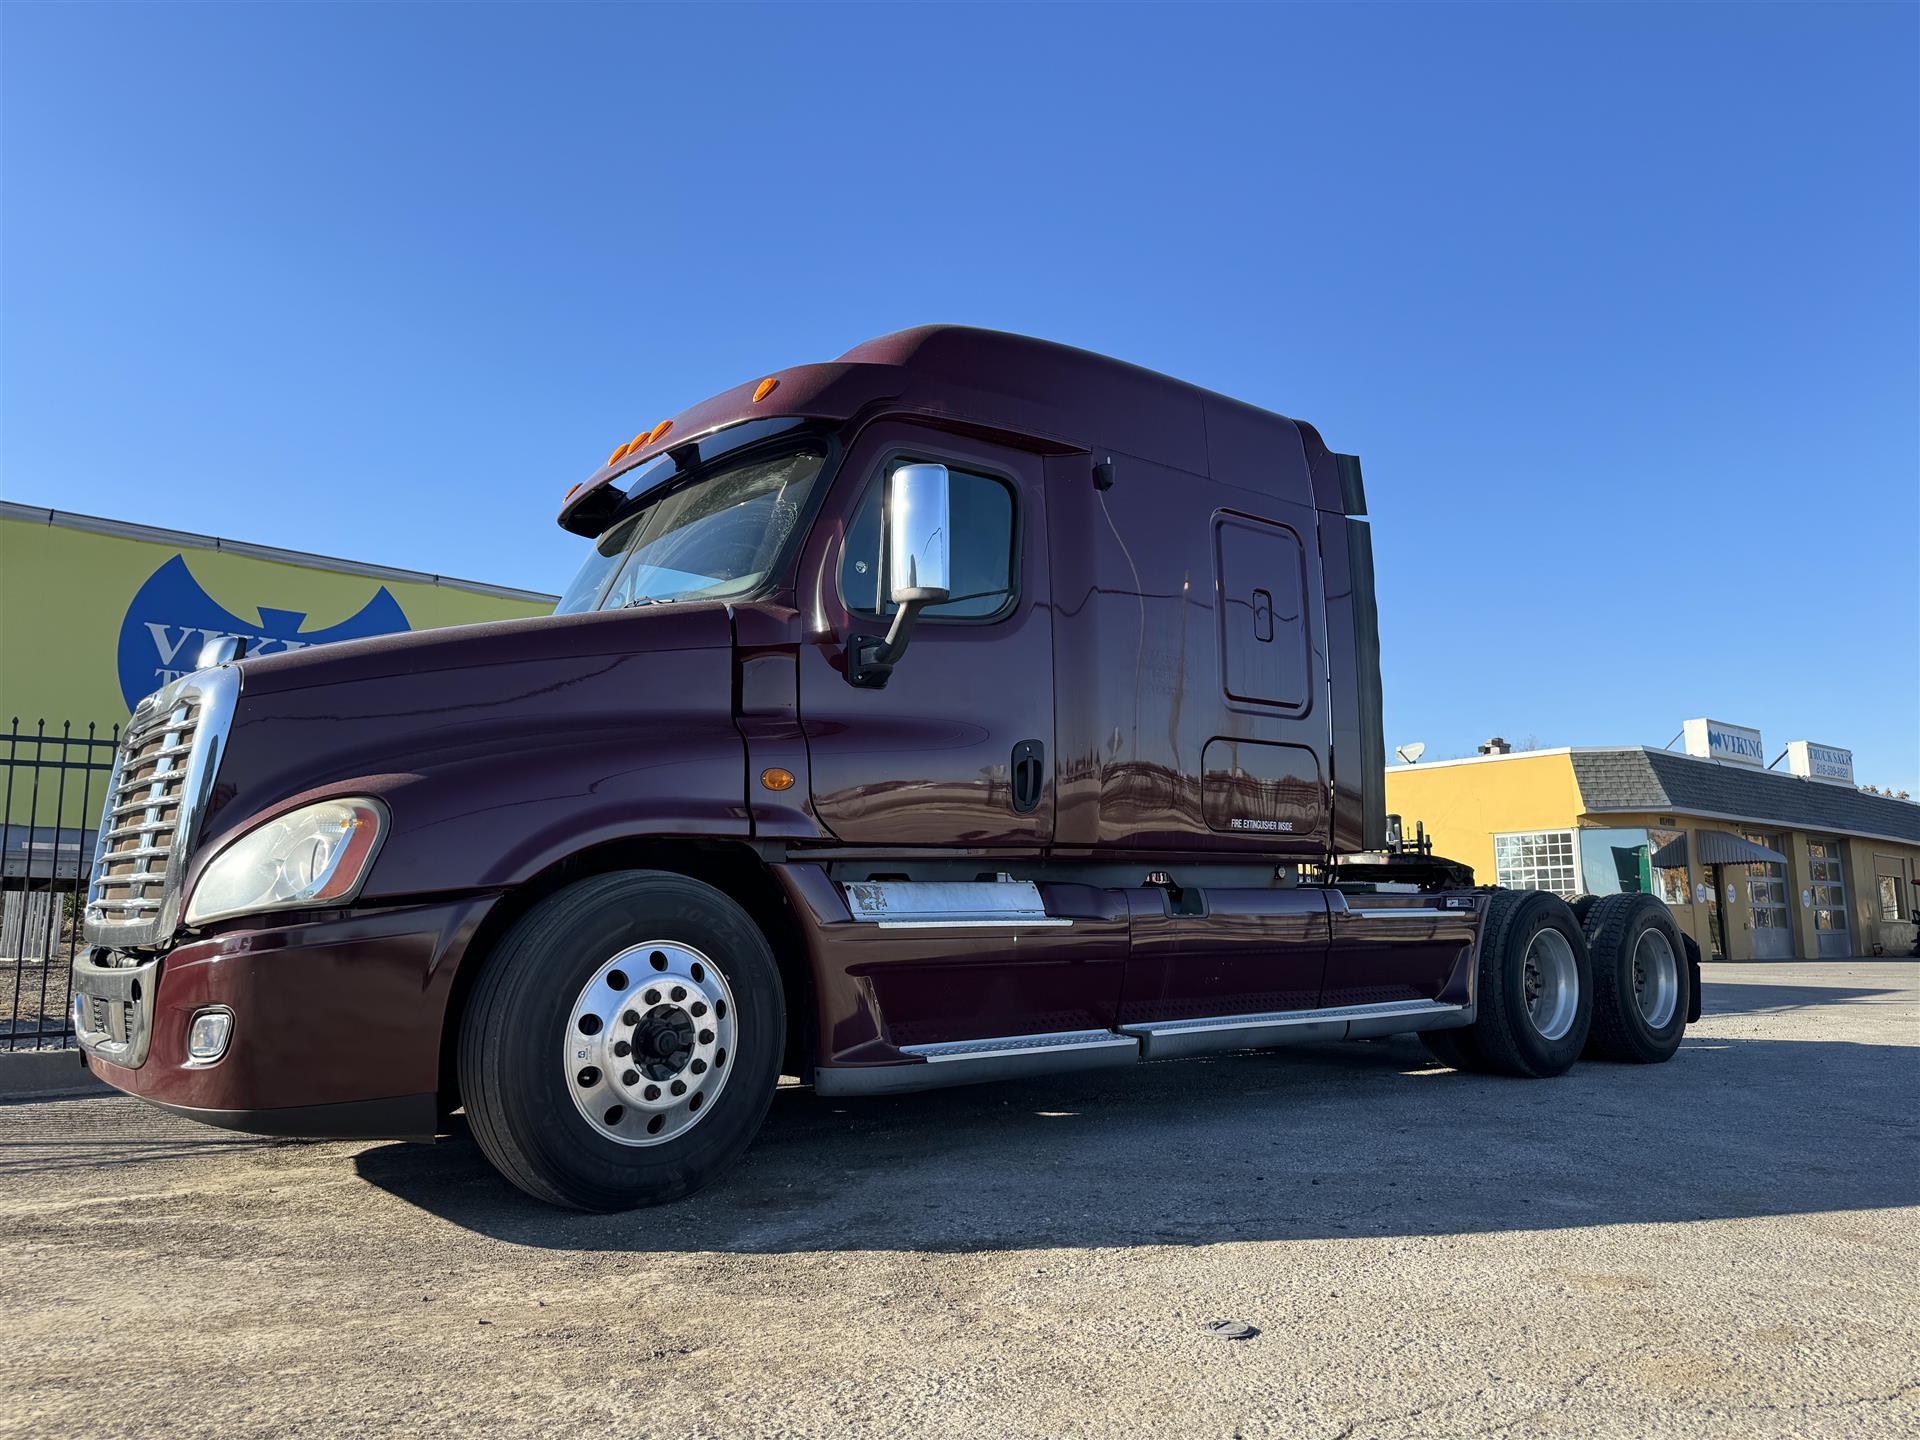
[(1535, 991), (1642, 983), (622, 1042)]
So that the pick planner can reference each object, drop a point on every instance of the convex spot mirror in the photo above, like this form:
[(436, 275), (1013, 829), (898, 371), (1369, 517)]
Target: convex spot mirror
[(918, 532)]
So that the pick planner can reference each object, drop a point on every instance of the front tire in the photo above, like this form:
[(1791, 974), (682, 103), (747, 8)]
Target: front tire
[(622, 1043)]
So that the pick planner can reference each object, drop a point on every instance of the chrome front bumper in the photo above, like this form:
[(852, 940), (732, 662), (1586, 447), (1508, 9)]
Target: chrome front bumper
[(113, 1010)]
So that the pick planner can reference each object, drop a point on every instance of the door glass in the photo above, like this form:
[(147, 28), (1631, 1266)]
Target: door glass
[(981, 512), (1767, 886), (1829, 895)]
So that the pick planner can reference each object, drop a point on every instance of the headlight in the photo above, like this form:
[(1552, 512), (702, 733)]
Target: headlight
[(316, 855)]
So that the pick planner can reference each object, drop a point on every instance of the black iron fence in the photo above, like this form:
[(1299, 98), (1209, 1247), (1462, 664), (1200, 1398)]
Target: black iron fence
[(54, 782)]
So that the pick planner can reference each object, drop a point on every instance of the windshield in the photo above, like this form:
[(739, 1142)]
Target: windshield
[(718, 535)]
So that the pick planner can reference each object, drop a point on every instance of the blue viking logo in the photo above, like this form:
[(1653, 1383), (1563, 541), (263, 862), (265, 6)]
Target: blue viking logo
[(171, 617)]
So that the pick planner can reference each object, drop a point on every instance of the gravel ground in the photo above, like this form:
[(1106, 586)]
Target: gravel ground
[(1725, 1245)]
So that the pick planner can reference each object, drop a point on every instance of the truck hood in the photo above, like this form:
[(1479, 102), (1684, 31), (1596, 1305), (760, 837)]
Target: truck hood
[(532, 721), (500, 642)]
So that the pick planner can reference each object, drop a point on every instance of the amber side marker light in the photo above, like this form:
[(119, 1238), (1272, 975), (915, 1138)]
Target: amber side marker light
[(765, 388), (774, 778)]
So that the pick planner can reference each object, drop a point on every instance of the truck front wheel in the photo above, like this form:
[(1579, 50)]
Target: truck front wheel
[(622, 1043), (1534, 993)]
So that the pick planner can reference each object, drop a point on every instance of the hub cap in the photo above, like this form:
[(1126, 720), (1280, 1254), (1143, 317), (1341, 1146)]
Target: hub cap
[(1552, 982), (649, 1043), (1656, 978)]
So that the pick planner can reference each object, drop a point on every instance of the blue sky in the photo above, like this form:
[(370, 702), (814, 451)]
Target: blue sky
[(1618, 305)]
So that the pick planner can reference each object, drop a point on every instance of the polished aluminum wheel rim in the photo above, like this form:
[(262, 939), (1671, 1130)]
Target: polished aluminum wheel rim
[(1656, 978), (649, 1043), (1552, 982)]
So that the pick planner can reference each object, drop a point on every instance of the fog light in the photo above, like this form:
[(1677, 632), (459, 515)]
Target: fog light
[(208, 1034)]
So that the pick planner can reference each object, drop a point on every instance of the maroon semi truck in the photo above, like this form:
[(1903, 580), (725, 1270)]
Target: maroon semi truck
[(969, 708)]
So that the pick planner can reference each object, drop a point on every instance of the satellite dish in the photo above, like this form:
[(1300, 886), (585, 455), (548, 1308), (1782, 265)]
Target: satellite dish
[(1409, 754)]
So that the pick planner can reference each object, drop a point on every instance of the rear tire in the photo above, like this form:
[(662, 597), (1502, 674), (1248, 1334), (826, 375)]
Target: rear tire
[(1535, 990), (1642, 981), (601, 1026)]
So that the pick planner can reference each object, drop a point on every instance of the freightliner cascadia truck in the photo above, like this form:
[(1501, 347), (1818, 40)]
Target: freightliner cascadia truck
[(968, 708)]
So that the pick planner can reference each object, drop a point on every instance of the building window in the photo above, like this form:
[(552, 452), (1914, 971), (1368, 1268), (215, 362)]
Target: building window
[(1536, 860), (1669, 881), (1890, 906)]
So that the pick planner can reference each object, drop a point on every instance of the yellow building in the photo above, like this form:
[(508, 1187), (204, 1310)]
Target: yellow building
[(1756, 863), (95, 614)]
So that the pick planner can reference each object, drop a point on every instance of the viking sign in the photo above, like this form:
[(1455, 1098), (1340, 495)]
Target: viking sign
[(172, 617)]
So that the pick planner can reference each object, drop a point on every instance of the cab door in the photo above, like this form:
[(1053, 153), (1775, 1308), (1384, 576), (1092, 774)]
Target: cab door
[(957, 748)]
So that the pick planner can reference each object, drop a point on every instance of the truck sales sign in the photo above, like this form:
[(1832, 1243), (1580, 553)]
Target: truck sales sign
[(1717, 740), (1820, 762)]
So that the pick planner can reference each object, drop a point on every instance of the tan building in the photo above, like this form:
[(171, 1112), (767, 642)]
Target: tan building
[(1756, 863)]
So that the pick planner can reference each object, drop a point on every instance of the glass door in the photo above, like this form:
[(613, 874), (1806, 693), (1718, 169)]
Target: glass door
[(1824, 868), (1767, 892)]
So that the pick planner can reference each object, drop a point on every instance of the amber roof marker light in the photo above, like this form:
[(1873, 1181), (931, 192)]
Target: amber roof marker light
[(765, 388)]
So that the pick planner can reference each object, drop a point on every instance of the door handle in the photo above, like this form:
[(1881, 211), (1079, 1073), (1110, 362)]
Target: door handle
[(1029, 775)]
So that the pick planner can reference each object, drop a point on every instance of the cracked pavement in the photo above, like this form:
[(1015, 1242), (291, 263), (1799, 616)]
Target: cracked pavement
[(1722, 1246)]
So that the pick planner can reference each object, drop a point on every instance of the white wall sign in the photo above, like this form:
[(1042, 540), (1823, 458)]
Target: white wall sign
[(1820, 762), (1717, 740)]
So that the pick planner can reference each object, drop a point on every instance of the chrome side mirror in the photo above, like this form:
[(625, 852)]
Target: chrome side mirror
[(917, 534), (919, 565)]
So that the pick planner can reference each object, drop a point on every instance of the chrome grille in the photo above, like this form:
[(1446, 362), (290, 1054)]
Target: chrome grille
[(160, 776)]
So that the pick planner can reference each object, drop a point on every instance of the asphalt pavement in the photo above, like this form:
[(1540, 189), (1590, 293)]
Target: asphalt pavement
[(1722, 1246)]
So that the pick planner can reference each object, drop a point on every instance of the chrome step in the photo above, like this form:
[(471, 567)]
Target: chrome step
[(927, 905), (951, 1050), (967, 1062), (1169, 1039)]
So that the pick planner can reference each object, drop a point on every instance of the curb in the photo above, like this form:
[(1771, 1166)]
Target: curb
[(46, 1075)]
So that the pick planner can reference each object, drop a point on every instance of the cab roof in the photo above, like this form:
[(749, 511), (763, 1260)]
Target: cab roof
[(1038, 393)]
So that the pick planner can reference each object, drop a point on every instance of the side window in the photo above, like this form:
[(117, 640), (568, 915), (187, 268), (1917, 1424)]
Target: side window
[(982, 550)]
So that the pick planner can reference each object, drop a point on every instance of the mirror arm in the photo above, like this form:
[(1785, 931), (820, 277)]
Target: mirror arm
[(871, 658)]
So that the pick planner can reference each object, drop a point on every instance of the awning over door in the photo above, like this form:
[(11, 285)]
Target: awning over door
[(1716, 847)]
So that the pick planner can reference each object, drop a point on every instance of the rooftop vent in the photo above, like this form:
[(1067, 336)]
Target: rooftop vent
[(1495, 746)]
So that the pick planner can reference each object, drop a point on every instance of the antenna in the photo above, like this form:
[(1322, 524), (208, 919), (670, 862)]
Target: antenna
[(1411, 752)]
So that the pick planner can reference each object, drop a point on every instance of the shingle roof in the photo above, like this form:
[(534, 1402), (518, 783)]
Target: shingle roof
[(1660, 780)]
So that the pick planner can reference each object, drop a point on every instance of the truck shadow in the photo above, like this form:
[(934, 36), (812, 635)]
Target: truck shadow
[(1366, 1139), (1732, 999)]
